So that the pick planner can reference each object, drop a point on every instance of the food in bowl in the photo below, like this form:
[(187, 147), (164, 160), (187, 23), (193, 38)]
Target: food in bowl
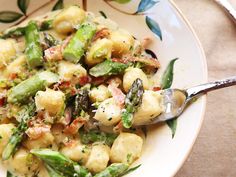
[(74, 90)]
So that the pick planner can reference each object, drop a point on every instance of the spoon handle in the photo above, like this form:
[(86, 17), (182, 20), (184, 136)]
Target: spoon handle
[(228, 8), (204, 88)]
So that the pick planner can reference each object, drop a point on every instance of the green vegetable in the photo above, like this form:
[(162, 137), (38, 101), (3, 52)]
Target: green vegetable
[(52, 172), (15, 32), (20, 31), (78, 44), (166, 82), (81, 101), (61, 164), (131, 170), (9, 174), (25, 114), (114, 170), (132, 102), (21, 92), (33, 49), (45, 25), (97, 136), (107, 68), (49, 40)]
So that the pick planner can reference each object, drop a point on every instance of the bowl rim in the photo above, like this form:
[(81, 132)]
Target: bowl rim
[(205, 79)]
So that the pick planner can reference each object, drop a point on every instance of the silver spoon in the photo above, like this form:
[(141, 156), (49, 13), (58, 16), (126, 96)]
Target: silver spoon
[(230, 10), (176, 100)]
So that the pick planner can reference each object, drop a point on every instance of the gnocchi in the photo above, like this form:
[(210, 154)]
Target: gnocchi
[(99, 51), (51, 101), (126, 148), (7, 52), (122, 42), (6, 131), (66, 21), (99, 94), (108, 112), (131, 74), (98, 158)]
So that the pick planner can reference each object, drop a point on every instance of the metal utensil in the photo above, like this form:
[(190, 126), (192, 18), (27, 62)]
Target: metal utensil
[(230, 10), (176, 100)]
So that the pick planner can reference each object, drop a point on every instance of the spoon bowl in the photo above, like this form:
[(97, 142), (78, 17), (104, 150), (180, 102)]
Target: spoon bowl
[(175, 100)]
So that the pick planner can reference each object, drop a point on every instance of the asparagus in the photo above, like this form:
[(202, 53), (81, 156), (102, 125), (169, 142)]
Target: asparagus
[(132, 102), (49, 40), (21, 92), (61, 164), (107, 68), (20, 31), (114, 170), (52, 172), (77, 45), (97, 136), (81, 102), (33, 49), (25, 114)]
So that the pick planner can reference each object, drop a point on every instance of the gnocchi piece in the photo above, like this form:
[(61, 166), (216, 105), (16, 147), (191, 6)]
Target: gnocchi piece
[(5, 134), (44, 141), (51, 101), (7, 52), (148, 111), (99, 51), (108, 112), (122, 42), (23, 162), (59, 136), (77, 152), (15, 67), (65, 21), (99, 94), (67, 71), (126, 148), (131, 74), (98, 158)]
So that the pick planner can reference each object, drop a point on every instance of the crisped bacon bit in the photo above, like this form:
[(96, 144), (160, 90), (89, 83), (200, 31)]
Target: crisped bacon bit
[(146, 42), (68, 116), (53, 53), (37, 131), (64, 84), (13, 76), (84, 80), (70, 143), (117, 94), (148, 61), (65, 42), (102, 33), (120, 60), (156, 88), (118, 128), (115, 81), (75, 126), (2, 102), (98, 80)]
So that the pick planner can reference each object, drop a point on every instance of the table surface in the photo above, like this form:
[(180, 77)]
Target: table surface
[(214, 153)]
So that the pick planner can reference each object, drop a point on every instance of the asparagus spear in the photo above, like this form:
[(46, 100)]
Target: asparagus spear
[(52, 172), (132, 102), (20, 31), (33, 49), (25, 114), (107, 68), (114, 170), (77, 45), (21, 92), (81, 102), (60, 163), (97, 136)]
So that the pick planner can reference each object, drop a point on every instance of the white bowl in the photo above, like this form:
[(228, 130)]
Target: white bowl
[(162, 156)]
